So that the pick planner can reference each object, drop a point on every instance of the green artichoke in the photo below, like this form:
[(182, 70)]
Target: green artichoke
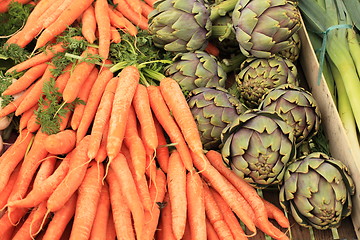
[(196, 69), (257, 76), (317, 191), (264, 27), (213, 109), (180, 25), (297, 107), (293, 51), (257, 145)]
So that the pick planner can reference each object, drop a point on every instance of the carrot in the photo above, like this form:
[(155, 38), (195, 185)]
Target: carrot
[(102, 117), (73, 179), (98, 231), (29, 166), (229, 216), (88, 197), (61, 218), (119, 21), (196, 206), (134, 143), (78, 76), (34, 95), (150, 2), (93, 101), (102, 154), (83, 95), (32, 124), (15, 153), (4, 6), (103, 24), (88, 24), (128, 81), (64, 120), (120, 210), (63, 78), (66, 18), (40, 58), (176, 182), (61, 143), (41, 192), (26, 80), (165, 231), (12, 106), (135, 5), (138, 19), (187, 233), (4, 194), (143, 112), (39, 219), (128, 188), (210, 231), (178, 106), (245, 189), (146, 9), (7, 224), (162, 151), (23, 232), (24, 119), (162, 114), (230, 194), (215, 216), (275, 213), (115, 35), (45, 170), (55, 14), (110, 228)]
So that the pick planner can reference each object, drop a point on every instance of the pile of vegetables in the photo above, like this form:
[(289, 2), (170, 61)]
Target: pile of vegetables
[(132, 121)]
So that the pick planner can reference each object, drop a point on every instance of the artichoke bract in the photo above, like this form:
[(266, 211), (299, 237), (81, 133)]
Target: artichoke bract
[(196, 69), (293, 51), (257, 145), (213, 109), (180, 25), (258, 75), (297, 107), (264, 27), (317, 190)]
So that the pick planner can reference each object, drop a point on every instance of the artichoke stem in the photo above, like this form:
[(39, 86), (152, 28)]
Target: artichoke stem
[(221, 32), (231, 64), (222, 8)]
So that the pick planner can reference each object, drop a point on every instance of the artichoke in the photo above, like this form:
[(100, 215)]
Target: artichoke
[(257, 76), (293, 51), (196, 69), (264, 27), (180, 25), (317, 191), (297, 107), (213, 109), (257, 145)]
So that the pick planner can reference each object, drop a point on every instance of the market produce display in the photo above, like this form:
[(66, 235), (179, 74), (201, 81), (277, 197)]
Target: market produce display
[(159, 119)]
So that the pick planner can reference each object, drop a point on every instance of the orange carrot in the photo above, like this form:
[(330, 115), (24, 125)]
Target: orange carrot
[(61, 143), (39, 219), (12, 106), (230, 194), (162, 151), (83, 95), (62, 217), (187, 233), (102, 117), (73, 179), (55, 14), (103, 25), (229, 216), (128, 188), (32, 124), (128, 81), (196, 205), (63, 78), (4, 194), (93, 101), (115, 35), (66, 18), (120, 210), (135, 5), (45, 170), (23, 232), (26, 80), (146, 9), (176, 182), (138, 19), (162, 114), (88, 197), (15, 153), (215, 216), (78, 76), (134, 143), (210, 231), (150, 2), (24, 119), (64, 120), (4, 6), (119, 21), (165, 231), (110, 228), (98, 231), (7, 224), (102, 154), (178, 106), (88, 24), (42, 57), (34, 95), (275, 213)]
